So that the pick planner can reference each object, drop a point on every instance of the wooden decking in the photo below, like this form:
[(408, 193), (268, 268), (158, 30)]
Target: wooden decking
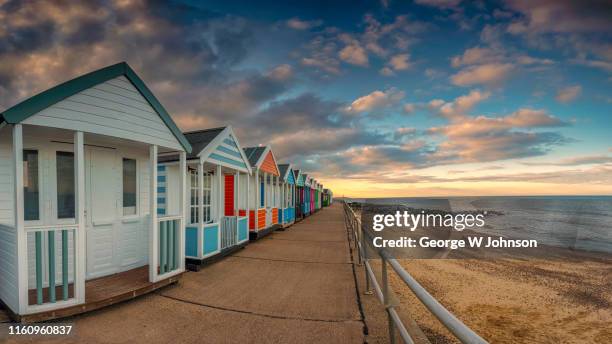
[(102, 292)]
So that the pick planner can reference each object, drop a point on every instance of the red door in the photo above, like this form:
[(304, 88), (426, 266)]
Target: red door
[(229, 195)]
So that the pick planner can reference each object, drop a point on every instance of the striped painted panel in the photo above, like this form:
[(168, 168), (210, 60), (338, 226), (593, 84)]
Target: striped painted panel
[(261, 218), (274, 216), (161, 189), (290, 178), (269, 165), (228, 152)]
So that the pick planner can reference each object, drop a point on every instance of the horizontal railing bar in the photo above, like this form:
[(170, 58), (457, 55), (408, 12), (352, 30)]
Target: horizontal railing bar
[(169, 218), (400, 326), (50, 227), (456, 326)]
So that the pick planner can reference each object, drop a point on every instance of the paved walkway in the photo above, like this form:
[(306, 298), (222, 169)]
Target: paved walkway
[(294, 286)]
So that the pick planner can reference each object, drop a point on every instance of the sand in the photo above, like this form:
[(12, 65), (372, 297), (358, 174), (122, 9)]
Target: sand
[(516, 301)]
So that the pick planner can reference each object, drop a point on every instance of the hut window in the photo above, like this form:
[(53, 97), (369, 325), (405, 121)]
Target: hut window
[(129, 186), (194, 199), (65, 184), (262, 195), (31, 206), (207, 196)]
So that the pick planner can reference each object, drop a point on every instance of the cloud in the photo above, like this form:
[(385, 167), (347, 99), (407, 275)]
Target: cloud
[(441, 4), (576, 161), (354, 54), (322, 55), (600, 64), (570, 27), (402, 132), (282, 73), (460, 106), (397, 62), (386, 71), (476, 55), (491, 74), (482, 138), (179, 59), (568, 94), (409, 108), (378, 40), (560, 16), (375, 100), (529, 60), (432, 73), (298, 24), (400, 62)]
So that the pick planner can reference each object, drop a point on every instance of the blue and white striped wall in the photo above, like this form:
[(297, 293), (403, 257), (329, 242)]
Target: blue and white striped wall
[(161, 189), (228, 154)]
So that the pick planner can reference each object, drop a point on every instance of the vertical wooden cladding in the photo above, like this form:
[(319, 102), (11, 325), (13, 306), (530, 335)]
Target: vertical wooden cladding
[(269, 165), (261, 218), (229, 195), (274, 215)]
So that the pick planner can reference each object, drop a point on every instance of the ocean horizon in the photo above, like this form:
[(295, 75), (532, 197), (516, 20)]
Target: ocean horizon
[(576, 222)]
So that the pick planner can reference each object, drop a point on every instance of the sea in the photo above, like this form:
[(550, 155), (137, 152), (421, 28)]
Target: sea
[(578, 222)]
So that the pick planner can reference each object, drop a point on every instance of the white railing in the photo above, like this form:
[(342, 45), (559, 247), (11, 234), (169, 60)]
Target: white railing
[(361, 238), (268, 217), (51, 265), (229, 231), (169, 254)]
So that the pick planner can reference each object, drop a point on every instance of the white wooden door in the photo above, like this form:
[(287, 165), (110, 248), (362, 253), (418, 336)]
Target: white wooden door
[(101, 184)]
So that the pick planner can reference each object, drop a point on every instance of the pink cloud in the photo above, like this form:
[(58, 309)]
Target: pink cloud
[(460, 105), (568, 94), (491, 74), (298, 24), (375, 100)]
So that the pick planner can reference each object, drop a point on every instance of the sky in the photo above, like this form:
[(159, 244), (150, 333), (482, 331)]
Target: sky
[(373, 98)]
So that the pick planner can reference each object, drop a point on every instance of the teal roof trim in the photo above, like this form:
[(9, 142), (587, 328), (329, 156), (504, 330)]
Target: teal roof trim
[(45, 99)]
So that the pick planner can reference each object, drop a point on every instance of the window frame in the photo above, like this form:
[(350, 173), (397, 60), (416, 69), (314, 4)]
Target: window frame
[(41, 201), (211, 219), (54, 191), (137, 191), (194, 187)]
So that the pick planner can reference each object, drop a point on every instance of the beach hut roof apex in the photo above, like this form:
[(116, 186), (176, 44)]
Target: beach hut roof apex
[(284, 170), (205, 141), (47, 98)]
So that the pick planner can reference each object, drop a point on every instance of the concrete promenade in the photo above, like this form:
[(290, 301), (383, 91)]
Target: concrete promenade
[(293, 286)]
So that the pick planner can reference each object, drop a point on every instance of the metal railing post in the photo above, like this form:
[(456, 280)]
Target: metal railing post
[(368, 290)]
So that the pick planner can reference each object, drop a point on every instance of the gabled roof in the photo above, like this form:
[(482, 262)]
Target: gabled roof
[(261, 158), (296, 176), (45, 99), (206, 144), (199, 139), (254, 154), (306, 180), (284, 170)]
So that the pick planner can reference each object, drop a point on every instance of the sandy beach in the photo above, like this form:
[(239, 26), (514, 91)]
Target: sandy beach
[(516, 301)]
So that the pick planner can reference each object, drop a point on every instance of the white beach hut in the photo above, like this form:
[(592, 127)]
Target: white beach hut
[(79, 228)]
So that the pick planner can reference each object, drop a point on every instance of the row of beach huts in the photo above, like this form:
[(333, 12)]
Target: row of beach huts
[(103, 198)]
